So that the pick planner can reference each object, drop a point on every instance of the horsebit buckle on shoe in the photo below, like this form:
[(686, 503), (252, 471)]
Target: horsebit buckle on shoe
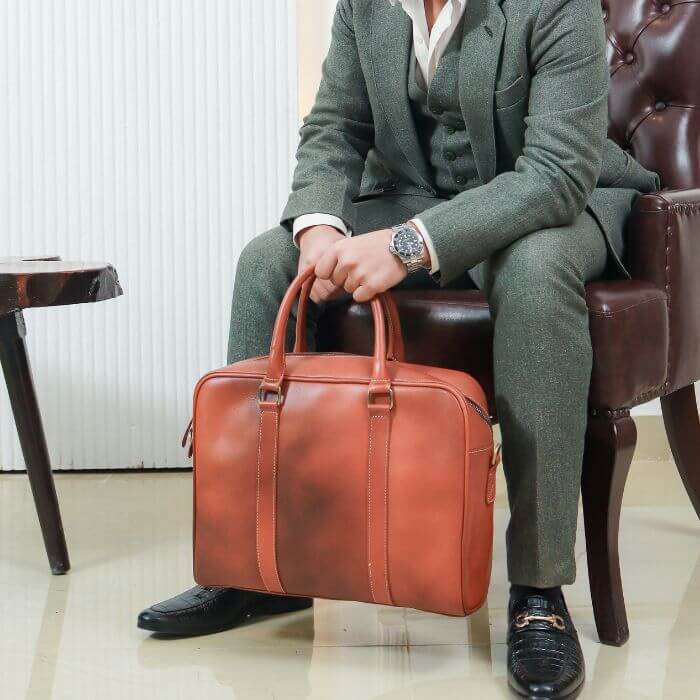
[(523, 620)]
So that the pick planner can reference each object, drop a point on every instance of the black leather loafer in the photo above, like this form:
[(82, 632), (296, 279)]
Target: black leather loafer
[(545, 661), (208, 610)]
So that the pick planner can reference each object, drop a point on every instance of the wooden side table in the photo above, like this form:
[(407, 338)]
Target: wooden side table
[(30, 283)]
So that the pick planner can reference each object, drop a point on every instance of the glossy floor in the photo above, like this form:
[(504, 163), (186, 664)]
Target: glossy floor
[(74, 637)]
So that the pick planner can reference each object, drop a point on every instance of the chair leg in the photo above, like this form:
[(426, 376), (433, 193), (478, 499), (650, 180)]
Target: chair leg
[(680, 411), (610, 443), (20, 387)]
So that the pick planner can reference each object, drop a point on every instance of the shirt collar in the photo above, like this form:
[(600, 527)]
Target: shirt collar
[(461, 3)]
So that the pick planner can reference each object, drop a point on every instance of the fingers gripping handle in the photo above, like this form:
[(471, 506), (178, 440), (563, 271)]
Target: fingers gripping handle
[(395, 344), (276, 364)]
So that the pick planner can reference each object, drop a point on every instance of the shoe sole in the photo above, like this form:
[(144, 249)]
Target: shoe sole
[(170, 630), (570, 696)]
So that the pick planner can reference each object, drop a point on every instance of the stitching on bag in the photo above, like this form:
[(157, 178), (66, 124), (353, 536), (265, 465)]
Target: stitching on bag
[(257, 505), (391, 331), (274, 503), (369, 509), (386, 517), (491, 486), (481, 449)]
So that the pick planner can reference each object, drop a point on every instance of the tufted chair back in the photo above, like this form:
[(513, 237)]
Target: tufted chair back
[(654, 57)]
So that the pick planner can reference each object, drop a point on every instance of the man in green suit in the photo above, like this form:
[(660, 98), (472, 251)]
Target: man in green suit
[(466, 140)]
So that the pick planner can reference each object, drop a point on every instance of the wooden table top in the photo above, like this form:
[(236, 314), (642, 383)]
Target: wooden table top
[(49, 281)]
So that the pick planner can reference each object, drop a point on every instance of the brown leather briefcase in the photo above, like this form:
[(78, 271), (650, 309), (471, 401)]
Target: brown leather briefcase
[(344, 476)]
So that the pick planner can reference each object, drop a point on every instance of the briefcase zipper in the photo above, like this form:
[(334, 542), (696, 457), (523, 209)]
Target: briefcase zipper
[(496, 454), (479, 410)]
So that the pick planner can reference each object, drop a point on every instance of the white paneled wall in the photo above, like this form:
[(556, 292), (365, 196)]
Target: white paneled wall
[(315, 19), (157, 135)]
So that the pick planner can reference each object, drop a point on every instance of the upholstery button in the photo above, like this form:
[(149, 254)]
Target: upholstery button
[(629, 58), (450, 155), (606, 14), (660, 106), (665, 8)]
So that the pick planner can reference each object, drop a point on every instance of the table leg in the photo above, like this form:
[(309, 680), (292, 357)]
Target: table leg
[(20, 387)]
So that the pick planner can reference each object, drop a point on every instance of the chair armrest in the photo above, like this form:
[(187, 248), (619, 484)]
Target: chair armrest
[(664, 249)]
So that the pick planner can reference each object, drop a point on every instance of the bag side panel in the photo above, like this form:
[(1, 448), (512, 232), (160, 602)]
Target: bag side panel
[(226, 424), (478, 521), (426, 500)]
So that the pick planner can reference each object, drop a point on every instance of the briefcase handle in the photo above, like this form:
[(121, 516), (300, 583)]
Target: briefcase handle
[(395, 349), (272, 383)]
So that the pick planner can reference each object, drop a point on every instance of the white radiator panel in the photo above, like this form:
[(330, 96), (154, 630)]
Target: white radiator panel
[(157, 136)]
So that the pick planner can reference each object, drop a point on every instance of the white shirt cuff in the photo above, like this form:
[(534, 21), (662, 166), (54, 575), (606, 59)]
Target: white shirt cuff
[(307, 220), (428, 244)]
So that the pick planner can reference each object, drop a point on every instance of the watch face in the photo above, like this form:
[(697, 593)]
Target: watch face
[(408, 243)]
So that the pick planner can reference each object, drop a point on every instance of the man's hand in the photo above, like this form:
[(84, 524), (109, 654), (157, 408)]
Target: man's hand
[(363, 266), (313, 243)]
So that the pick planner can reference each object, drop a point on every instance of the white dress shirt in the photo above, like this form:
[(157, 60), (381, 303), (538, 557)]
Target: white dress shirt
[(429, 47)]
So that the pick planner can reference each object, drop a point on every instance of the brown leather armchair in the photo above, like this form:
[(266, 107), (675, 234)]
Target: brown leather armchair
[(645, 331)]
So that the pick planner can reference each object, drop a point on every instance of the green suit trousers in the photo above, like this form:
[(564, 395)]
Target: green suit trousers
[(542, 363)]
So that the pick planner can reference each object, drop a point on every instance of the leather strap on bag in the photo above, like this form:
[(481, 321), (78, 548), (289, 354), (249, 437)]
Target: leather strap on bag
[(378, 502), (380, 401), (266, 496), (396, 350), (300, 335)]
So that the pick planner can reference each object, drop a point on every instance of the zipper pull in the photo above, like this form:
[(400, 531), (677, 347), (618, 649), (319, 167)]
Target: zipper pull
[(481, 412), (187, 438), (496, 459), (491, 477)]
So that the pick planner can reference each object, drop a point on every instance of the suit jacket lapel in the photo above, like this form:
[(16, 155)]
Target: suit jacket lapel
[(391, 40), (484, 26)]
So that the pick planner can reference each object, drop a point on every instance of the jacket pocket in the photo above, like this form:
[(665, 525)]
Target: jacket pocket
[(376, 192), (512, 94)]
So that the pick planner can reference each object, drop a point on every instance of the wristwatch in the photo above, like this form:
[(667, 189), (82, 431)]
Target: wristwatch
[(408, 245)]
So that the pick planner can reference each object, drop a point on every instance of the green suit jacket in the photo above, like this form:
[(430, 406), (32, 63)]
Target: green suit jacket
[(533, 91)]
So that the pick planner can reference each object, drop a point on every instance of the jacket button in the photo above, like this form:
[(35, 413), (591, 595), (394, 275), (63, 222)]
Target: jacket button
[(436, 109), (461, 180), (450, 155), (450, 129)]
